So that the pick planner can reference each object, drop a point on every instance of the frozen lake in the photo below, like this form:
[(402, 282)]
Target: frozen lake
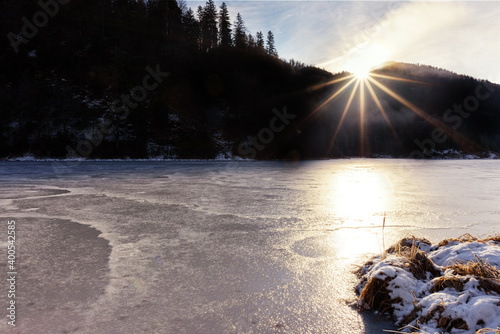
[(223, 247)]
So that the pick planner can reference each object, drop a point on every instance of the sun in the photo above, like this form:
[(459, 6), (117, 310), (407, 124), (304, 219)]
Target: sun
[(361, 73), (366, 59), (361, 69)]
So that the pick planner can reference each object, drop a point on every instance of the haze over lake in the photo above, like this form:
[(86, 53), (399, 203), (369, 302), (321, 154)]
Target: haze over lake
[(224, 247)]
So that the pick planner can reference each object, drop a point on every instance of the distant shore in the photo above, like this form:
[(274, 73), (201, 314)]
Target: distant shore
[(436, 155)]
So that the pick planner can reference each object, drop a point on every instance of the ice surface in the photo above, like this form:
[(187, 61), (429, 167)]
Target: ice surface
[(224, 247)]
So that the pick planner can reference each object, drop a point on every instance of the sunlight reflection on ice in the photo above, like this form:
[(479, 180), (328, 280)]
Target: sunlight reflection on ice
[(355, 243), (359, 196)]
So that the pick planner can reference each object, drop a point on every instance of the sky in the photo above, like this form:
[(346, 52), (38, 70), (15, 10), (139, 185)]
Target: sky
[(460, 36)]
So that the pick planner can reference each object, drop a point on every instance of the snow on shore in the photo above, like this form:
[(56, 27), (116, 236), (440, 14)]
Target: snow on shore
[(226, 155), (30, 158), (452, 287)]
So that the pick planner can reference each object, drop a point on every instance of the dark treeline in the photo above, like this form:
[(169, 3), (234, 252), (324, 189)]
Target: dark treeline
[(75, 85), (61, 79)]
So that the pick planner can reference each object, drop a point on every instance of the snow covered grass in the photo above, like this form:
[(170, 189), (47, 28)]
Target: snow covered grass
[(451, 287)]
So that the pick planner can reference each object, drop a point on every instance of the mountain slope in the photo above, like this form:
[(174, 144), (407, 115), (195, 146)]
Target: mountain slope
[(233, 103)]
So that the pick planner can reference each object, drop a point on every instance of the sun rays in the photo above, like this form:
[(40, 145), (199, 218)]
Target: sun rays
[(367, 86)]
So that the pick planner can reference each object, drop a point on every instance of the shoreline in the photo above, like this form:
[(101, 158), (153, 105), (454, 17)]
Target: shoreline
[(457, 156)]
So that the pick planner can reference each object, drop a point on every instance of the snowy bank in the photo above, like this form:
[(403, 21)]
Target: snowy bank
[(219, 158), (451, 287)]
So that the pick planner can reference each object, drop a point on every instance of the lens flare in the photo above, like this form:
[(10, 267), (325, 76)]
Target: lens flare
[(366, 59), (361, 73), (363, 78)]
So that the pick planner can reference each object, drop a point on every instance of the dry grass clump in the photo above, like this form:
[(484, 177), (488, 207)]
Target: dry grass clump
[(487, 275), (495, 239), (408, 244), (418, 331), (489, 285), (425, 318), (375, 295), (446, 323), (488, 331), (417, 261), (412, 328), (476, 267), (463, 238), (469, 238), (444, 282), (419, 265)]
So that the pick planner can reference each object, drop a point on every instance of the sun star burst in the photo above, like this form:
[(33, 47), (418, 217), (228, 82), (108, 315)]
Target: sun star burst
[(365, 79)]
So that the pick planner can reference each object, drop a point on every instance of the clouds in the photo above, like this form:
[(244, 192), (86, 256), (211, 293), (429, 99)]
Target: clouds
[(458, 36), (410, 33)]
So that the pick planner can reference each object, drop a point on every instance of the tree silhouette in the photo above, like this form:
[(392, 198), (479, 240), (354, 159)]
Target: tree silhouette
[(208, 26), (240, 37), (251, 41), (191, 27), (270, 47), (202, 27), (209, 30), (224, 27), (182, 6), (260, 41), (174, 21), (157, 21)]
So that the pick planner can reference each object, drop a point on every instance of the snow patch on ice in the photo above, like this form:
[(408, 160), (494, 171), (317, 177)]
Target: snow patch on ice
[(432, 307)]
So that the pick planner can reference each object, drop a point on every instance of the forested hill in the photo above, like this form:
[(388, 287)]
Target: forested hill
[(123, 78)]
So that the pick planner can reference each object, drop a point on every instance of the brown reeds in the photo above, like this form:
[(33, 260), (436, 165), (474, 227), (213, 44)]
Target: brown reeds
[(488, 331), (444, 282), (375, 295), (469, 238), (463, 238), (417, 261), (478, 267), (489, 285)]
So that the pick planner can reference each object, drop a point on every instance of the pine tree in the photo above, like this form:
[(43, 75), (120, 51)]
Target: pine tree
[(260, 40), (210, 32), (157, 21), (164, 18), (191, 27), (174, 21), (224, 27), (240, 37), (183, 6), (251, 41), (271, 48), (200, 12)]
